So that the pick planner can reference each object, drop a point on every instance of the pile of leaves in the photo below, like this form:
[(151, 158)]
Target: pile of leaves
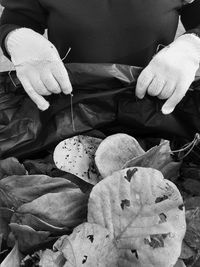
[(95, 202)]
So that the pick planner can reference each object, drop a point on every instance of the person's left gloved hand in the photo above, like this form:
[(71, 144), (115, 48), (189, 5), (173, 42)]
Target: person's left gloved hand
[(171, 72)]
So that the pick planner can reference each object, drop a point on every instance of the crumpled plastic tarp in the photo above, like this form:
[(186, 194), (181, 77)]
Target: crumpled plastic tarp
[(104, 99)]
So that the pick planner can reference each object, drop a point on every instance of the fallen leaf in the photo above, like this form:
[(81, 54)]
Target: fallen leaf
[(114, 151), (187, 252), (17, 190), (63, 209), (27, 237), (90, 245), (158, 157), (192, 236), (11, 166), (5, 217), (31, 260), (13, 259), (192, 186), (180, 263), (52, 259), (76, 155), (192, 203), (36, 223), (44, 166), (190, 171), (144, 215), (171, 171)]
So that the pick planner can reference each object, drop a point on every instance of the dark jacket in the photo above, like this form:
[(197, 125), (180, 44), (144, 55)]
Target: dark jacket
[(120, 31)]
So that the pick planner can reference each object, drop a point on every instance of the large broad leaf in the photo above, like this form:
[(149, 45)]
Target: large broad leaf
[(36, 223), (27, 237), (17, 190), (44, 166), (52, 259), (5, 217), (115, 151), (89, 245), (13, 259), (76, 155), (180, 263), (158, 157), (11, 166), (64, 209), (192, 237), (192, 186), (144, 214)]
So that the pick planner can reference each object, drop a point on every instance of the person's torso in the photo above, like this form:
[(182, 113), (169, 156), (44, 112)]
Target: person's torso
[(114, 31)]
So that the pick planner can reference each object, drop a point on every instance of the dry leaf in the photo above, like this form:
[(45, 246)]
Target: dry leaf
[(187, 252), (89, 245), (115, 151), (13, 259), (27, 237), (76, 155), (36, 223), (52, 259), (63, 209), (180, 263), (11, 166), (17, 190), (5, 217), (192, 236), (44, 166), (144, 214)]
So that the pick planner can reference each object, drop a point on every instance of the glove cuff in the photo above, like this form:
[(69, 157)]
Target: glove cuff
[(26, 45)]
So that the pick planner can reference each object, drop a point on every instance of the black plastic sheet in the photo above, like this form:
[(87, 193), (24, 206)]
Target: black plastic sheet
[(104, 99)]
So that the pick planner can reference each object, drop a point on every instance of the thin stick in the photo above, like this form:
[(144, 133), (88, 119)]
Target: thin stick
[(189, 146), (66, 54), (72, 112)]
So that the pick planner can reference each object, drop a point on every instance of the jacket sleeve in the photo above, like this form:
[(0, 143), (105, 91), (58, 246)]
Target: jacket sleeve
[(190, 17), (21, 13)]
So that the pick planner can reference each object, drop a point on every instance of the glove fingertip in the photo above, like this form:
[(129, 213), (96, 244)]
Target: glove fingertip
[(67, 90), (44, 106), (167, 110)]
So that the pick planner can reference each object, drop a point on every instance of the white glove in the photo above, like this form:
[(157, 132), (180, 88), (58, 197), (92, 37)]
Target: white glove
[(38, 65), (171, 72)]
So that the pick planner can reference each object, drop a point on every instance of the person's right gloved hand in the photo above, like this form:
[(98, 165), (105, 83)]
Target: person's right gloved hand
[(38, 65)]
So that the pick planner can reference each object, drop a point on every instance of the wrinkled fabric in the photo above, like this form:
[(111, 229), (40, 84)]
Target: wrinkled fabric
[(103, 98)]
